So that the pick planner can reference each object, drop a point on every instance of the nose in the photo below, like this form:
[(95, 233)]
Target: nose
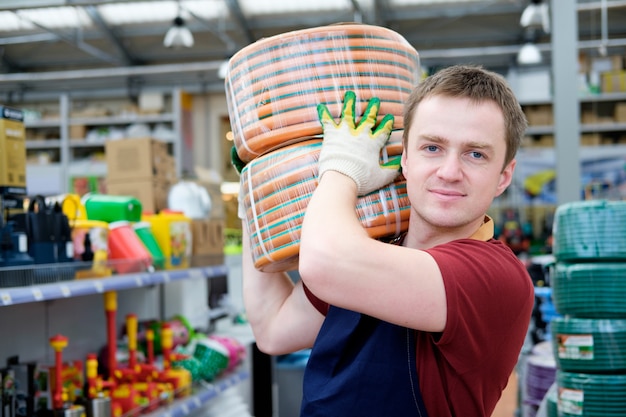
[(450, 169)]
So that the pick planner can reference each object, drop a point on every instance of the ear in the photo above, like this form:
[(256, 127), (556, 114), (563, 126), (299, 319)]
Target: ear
[(404, 163), (506, 176)]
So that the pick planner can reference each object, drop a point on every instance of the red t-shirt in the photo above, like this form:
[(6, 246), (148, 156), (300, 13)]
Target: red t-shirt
[(463, 370)]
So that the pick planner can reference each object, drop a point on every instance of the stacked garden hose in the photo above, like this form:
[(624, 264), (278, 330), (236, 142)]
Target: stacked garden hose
[(588, 280), (276, 189), (273, 88), (585, 394), (590, 345)]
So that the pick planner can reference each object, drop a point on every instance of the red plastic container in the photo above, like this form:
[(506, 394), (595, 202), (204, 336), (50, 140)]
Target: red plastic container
[(126, 251)]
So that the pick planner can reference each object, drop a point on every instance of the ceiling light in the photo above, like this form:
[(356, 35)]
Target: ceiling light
[(178, 35), (529, 54), (536, 15)]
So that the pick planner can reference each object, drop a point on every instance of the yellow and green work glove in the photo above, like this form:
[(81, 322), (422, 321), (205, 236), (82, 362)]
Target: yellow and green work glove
[(354, 149)]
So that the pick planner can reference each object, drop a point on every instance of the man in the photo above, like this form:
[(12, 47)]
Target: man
[(432, 325)]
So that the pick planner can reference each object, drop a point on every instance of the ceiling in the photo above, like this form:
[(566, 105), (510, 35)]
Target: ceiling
[(118, 44)]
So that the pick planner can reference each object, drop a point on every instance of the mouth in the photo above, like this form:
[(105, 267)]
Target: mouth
[(447, 195)]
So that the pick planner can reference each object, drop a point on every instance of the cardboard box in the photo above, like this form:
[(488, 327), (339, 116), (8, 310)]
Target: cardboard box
[(207, 246), (539, 115), (12, 151), (151, 193), (613, 81), (135, 159), (590, 139), (78, 131), (620, 112), (207, 236)]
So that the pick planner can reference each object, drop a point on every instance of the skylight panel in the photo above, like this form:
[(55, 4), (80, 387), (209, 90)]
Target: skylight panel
[(263, 7), (138, 12), (401, 3), (150, 11), (56, 17), (11, 22)]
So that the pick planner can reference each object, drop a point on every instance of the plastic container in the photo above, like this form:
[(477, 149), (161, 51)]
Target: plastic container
[(112, 208), (73, 207), (143, 229), (126, 250), (98, 240), (172, 230)]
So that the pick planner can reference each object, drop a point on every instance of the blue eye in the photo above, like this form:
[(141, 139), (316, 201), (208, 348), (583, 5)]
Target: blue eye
[(477, 155)]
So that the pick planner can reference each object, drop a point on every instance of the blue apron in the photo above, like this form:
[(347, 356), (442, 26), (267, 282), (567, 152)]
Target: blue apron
[(361, 366)]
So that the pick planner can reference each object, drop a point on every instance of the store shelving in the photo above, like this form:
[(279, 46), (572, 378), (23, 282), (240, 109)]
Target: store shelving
[(202, 393), (208, 392), (594, 103), (75, 288), (59, 147)]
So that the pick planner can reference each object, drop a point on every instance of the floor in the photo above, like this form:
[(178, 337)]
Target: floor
[(508, 404)]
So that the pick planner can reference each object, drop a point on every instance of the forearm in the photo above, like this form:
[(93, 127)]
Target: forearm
[(281, 317), (263, 293), (330, 228)]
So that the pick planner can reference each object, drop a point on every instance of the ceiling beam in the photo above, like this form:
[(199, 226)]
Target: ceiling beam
[(238, 16), (96, 17), (231, 45), (381, 12), (78, 43), (35, 4), (195, 67)]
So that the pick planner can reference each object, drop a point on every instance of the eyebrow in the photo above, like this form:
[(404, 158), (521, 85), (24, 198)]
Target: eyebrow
[(443, 140)]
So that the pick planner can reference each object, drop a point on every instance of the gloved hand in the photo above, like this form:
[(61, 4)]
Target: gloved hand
[(354, 150)]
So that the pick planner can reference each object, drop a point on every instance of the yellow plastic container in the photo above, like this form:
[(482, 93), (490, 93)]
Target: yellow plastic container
[(98, 234), (73, 207), (172, 230)]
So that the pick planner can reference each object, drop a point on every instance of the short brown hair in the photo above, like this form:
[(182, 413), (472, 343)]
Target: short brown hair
[(477, 84)]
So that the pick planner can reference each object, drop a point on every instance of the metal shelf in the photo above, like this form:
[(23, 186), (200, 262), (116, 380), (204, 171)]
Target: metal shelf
[(186, 406), (42, 123), (76, 288), (584, 128), (43, 144), (122, 120)]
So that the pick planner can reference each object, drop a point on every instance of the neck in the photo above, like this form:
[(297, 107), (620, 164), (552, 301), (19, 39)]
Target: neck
[(424, 235)]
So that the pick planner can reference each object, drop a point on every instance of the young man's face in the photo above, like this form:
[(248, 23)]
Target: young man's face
[(453, 160)]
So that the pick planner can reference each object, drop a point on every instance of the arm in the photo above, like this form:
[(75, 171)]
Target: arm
[(282, 318), (341, 264)]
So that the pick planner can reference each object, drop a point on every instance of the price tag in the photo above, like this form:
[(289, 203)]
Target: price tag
[(99, 286), (166, 277), (37, 294), (65, 290), (138, 281), (6, 298)]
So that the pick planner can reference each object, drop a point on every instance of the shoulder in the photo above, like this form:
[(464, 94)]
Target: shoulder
[(489, 268), (484, 254)]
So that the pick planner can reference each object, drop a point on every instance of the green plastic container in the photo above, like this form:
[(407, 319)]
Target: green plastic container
[(112, 208), (144, 231)]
